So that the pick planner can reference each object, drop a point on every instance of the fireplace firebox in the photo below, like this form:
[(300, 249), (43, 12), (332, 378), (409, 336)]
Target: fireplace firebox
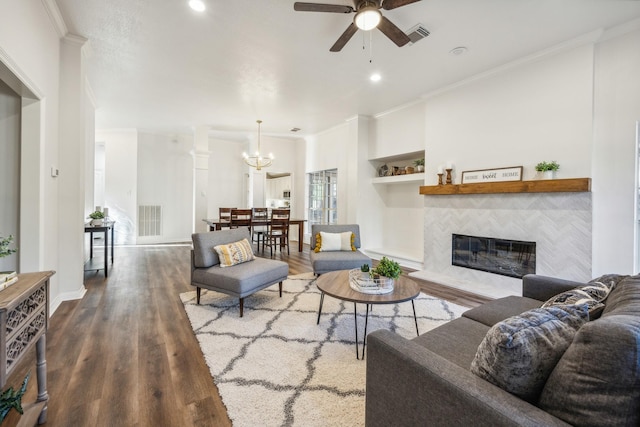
[(513, 258)]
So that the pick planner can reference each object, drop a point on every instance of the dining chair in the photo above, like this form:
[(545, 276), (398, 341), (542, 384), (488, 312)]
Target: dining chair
[(259, 232), (278, 230), (240, 218), (225, 216)]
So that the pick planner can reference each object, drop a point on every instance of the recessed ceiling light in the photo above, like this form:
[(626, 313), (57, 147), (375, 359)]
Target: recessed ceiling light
[(197, 5), (375, 77), (458, 50)]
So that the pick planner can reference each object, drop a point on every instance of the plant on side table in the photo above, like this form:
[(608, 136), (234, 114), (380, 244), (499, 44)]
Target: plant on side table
[(387, 268), (419, 164), (97, 218), (5, 250), (548, 169)]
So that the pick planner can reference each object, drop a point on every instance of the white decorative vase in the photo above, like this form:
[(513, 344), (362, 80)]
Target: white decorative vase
[(548, 174), (419, 169), (97, 222)]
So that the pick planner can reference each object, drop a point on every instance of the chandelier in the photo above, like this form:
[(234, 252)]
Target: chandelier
[(257, 161)]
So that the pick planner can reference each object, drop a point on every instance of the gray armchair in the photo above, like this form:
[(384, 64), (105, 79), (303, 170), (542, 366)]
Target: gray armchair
[(239, 280), (324, 262)]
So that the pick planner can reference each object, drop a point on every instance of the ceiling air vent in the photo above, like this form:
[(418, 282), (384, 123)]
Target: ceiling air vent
[(417, 33)]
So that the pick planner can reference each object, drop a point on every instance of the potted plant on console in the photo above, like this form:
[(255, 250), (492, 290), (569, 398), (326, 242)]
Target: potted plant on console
[(548, 169), (97, 218), (386, 268)]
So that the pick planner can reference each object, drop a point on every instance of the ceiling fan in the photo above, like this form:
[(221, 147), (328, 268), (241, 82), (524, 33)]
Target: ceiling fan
[(368, 17)]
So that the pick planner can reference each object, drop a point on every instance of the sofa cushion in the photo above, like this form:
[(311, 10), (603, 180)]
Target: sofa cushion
[(203, 244), (497, 310), (624, 298), (519, 353), (597, 380), (323, 262), (234, 253), (327, 242), (456, 341), (242, 279)]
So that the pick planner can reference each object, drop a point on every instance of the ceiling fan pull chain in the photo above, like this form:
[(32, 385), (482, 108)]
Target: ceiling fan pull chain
[(370, 47)]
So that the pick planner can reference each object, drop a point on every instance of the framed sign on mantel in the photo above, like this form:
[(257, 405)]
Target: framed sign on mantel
[(513, 173)]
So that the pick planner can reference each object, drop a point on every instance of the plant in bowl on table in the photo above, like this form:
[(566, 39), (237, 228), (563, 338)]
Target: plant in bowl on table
[(386, 268), (97, 218), (419, 164)]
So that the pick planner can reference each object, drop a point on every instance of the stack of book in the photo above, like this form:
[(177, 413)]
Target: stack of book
[(7, 278)]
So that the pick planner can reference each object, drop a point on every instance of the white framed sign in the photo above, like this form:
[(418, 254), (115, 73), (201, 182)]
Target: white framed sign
[(513, 173)]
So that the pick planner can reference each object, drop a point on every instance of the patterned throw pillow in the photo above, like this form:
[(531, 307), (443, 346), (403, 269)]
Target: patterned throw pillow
[(234, 253), (589, 295), (519, 353), (327, 242)]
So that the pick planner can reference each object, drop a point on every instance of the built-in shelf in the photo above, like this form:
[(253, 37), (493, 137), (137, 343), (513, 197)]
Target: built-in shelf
[(399, 179), (572, 185)]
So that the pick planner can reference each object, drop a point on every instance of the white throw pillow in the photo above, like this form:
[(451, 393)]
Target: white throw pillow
[(335, 241)]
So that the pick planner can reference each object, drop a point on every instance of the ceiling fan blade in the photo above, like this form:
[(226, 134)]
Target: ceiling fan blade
[(394, 33), (392, 4), (320, 7), (344, 38)]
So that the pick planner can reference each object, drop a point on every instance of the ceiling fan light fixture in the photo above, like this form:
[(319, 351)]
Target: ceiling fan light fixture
[(367, 18)]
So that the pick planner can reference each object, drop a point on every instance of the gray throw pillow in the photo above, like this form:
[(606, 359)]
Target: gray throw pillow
[(596, 383), (519, 353)]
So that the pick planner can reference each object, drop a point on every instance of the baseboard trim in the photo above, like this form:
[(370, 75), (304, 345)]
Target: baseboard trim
[(67, 296)]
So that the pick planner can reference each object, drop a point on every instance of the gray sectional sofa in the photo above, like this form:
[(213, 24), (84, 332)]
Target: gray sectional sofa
[(324, 262), (427, 381)]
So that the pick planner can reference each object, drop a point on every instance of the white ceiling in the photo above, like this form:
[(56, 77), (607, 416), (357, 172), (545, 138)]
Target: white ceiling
[(158, 65)]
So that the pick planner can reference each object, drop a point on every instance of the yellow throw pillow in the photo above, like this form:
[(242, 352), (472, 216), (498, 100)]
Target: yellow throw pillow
[(234, 253), (327, 242)]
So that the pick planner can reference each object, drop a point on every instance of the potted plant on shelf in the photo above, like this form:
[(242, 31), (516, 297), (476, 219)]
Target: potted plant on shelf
[(97, 218), (419, 164), (386, 268), (548, 169)]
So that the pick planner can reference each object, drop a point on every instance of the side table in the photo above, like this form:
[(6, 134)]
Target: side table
[(24, 317)]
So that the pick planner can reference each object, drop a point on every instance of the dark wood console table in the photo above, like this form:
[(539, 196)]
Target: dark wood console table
[(104, 228), (24, 317)]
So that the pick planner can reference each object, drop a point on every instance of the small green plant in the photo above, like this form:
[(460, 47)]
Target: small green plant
[(387, 268), (5, 250), (96, 215), (547, 166), (365, 268), (12, 399), (419, 162)]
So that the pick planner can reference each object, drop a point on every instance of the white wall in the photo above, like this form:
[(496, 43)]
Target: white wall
[(165, 178), (226, 175), (398, 131), (535, 111), (121, 181), (617, 110)]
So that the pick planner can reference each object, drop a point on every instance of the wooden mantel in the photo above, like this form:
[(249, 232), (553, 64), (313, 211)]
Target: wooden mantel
[(571, 185)]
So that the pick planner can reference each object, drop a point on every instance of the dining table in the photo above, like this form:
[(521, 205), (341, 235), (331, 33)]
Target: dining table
[(218, 224)]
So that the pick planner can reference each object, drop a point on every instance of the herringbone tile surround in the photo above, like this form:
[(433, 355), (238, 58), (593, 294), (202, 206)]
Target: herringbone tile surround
[(559, 223)]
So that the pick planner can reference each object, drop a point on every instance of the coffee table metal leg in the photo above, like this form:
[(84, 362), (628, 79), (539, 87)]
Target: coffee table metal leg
[(415, 319), (320, 308), (355, 321), (366, 321)]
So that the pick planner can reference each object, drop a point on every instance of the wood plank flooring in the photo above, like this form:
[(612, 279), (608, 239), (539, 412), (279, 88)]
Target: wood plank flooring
[(125, 354)]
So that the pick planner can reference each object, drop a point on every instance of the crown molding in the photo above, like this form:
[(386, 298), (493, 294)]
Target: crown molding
[(55, 17), (589, 38), (399, 108), (620, 30)]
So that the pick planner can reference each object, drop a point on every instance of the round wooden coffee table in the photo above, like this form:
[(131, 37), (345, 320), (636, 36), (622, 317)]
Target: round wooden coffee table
[(336, 284)]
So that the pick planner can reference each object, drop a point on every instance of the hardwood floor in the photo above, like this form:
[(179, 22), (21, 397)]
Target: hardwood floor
[(125, 354)]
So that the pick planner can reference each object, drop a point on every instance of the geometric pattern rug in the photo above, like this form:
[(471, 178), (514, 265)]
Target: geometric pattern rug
[(276, 367)]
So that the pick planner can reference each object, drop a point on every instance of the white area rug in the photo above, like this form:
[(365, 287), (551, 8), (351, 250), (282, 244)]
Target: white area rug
[(276, 367)]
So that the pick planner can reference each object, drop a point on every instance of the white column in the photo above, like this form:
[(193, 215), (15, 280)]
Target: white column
[(201, 179)]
